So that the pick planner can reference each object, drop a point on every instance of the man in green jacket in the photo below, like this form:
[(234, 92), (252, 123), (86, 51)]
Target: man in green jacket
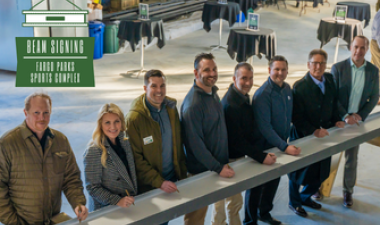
[(36, 165), (154, 132)]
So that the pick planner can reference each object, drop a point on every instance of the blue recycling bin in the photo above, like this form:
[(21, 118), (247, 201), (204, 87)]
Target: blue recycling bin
[(242, 18), (96, 29)]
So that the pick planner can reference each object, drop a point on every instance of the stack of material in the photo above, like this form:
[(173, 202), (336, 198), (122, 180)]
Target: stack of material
[(165, 11), (119, 5), (95, 10)]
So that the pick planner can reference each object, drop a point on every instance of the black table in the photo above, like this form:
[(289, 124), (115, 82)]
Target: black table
[(249, 43), (329, 28), (245, 5), (133, 30), (213, 11), (358, 10)]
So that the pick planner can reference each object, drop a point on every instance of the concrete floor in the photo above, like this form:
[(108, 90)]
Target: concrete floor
[(75, 109)]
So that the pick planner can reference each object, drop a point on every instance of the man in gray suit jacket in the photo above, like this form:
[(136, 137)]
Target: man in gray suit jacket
[(357, 82)]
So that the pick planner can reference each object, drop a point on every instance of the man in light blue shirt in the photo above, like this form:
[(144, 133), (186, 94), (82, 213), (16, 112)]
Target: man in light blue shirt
[(315, 109), (357, 84)]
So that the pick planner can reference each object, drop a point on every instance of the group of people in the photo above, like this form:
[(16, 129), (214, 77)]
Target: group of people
[(144, 150)]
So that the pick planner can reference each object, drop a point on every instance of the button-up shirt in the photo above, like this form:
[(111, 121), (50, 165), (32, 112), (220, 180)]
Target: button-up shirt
[(320, 84), (357, 85)]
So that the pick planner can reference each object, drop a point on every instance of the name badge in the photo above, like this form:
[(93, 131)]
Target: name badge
[(148, 140), (288, 98)]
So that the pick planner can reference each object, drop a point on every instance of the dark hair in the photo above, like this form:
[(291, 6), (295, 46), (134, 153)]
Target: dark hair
[(362, 37), (201, 56), (317, 52), (277, 58), (153, 73), (244, 65)]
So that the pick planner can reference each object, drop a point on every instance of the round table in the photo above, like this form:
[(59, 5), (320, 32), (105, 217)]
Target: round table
[(358, 10), (245, 5), (133, 30), (245, 43), (215, 10), (330, 28)]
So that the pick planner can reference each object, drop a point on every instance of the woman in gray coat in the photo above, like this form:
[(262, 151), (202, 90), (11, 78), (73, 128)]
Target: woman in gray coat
[(108, 162)]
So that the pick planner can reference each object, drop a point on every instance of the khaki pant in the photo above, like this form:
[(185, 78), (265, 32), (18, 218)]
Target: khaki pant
[(375, 52), (233, 203), (198, 216)]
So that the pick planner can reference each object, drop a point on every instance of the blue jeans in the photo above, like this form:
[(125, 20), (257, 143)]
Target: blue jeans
[(296, 198)]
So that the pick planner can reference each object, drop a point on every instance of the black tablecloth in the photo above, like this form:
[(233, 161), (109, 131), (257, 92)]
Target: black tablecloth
[(358, 10), (329, 28), (246, 4), (248, 43), (133, 29), (214, 10)]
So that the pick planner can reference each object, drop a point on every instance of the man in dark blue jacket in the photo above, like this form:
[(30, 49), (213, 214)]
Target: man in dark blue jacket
[(242, 135), (272, 105), (204, 128)]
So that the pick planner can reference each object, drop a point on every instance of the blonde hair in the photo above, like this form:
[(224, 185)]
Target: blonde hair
[(33, 95), (98, 136)]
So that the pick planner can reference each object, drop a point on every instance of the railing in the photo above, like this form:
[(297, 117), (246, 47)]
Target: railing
[(156, 207)]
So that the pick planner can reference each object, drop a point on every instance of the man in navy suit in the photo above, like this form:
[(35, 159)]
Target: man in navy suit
[(315, 109), (357, 82)]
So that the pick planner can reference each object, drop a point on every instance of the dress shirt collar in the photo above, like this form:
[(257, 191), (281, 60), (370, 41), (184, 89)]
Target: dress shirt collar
[(317, 82), (361, 67)]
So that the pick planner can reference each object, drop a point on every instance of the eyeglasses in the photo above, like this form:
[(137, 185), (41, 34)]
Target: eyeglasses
[(318, 63)]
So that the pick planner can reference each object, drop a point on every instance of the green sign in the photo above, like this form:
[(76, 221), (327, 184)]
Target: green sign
[(253, 22), (341, 13), (55, 62), (144, 11)]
